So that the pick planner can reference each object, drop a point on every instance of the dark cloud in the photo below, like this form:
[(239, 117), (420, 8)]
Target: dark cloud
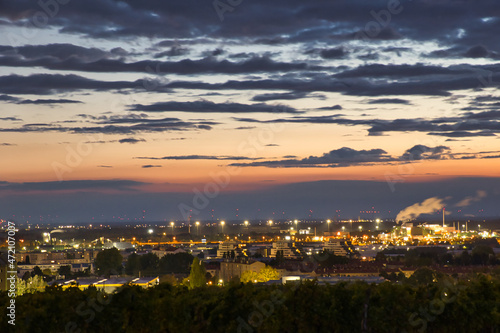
[(336, 158), (275, 96), (401, 71), (46, 84), (478, 51), (389, 101), (463, 134), (421, 152), (345, 157), (209, 64), (210, 107), (200, 157), (333, 53), (174, 51), (273, 23), (148, 166), (390, 80), (131, 140), (57, 51), (48, 101), (10, 119), (132, 126), (333, 107), (468, 124), (7, 98)]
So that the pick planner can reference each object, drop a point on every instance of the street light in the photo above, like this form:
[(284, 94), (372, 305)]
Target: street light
[(172, 225), (328, 223), (222, 226), (296, 224), (197, 227), (246, 224)]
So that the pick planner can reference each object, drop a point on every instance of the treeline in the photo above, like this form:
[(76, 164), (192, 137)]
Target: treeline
[(443, 305), (427, 256), (149, 264), (110, 262)]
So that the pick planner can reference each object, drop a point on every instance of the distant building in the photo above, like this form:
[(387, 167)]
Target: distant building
[(213, 269), (286, 248), (108, 285), (339, 247), (57, 257), (119, 245), (231, 270), (167, 251), (227, 248)]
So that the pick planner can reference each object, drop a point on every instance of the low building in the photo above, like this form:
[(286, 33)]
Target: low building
[(56, 257), (169, 250), (339, 247), (108, 285), (235, 269), (227, 248), (286, 248)]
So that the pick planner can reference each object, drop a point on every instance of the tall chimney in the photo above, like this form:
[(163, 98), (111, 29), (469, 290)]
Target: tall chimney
[(443, 216)]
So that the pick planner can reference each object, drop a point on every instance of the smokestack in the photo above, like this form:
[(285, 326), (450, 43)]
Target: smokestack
[(443, 216)]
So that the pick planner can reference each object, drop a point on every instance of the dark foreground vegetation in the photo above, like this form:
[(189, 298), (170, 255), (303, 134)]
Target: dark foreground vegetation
[(442, 304)]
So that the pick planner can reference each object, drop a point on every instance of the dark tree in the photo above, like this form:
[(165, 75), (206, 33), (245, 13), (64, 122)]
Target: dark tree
[(109, 262), (133, 265), (65, 270)]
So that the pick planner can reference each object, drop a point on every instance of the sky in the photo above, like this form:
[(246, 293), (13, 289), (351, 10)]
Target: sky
[(229, 109)]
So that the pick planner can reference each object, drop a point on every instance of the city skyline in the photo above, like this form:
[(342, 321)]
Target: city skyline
[(248, 109)]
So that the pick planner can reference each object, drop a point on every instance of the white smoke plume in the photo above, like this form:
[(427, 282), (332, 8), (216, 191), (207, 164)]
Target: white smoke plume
[(468, 200), (427, 206)]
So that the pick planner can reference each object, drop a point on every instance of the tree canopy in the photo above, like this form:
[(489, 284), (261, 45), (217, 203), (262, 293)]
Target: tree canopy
[(108, 262), (442, 305), (197, 276)]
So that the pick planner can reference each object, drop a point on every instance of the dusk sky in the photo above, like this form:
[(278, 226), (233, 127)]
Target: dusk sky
[(115, 110)]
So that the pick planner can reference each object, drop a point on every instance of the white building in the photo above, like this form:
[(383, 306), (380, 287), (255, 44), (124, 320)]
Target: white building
[(339, 247), (228, 247), (287, 249)]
